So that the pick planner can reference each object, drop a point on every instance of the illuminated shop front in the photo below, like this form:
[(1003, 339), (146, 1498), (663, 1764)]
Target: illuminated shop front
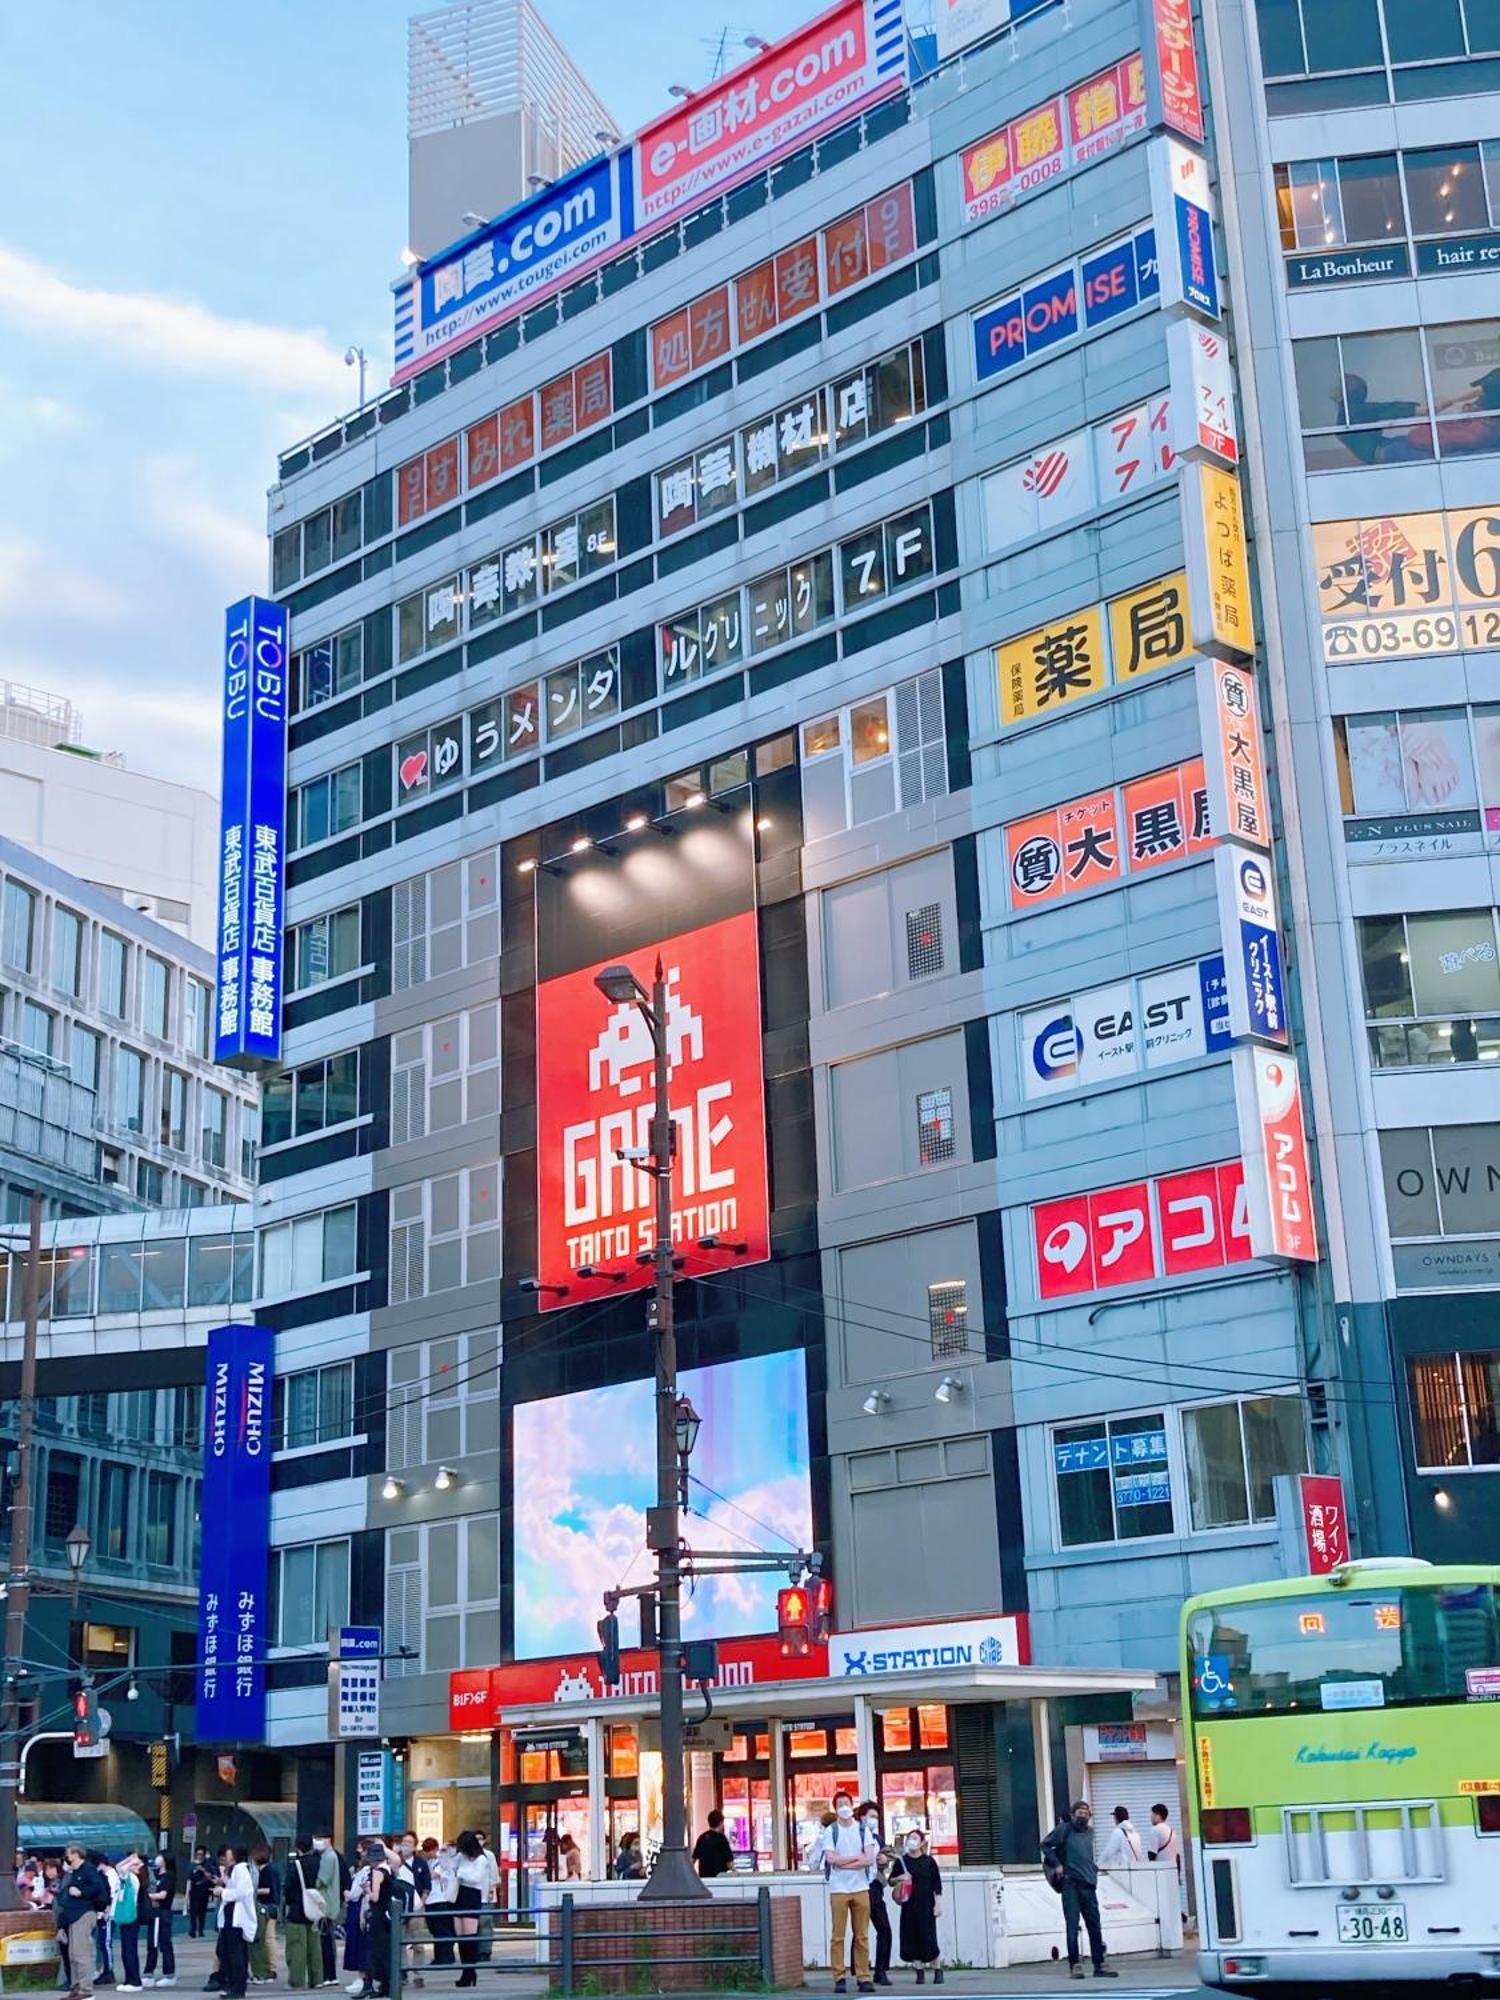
[(964, 1750)]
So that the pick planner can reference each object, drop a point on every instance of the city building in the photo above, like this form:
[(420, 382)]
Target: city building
[(495, 104), (87, 813), (1360, 228), (839, 587)]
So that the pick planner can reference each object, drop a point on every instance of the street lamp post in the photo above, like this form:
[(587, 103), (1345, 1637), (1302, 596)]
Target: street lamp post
[(673, 1878), (18, 1580)]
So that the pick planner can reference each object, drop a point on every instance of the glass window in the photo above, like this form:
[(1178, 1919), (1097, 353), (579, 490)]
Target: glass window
[(119, 1278), (159, 1534), (1453, 962), (1320, 382), (130, 1090), (215, 1126), (112, 970), (1464, 363), (197, 1012), (311, 1592), (870, 730), (83, 1057), (210, 1265), (1383, 956), (1113, 1482), (18, 928), (286, 559), (174, 1094), (276, 1109), (821, 736), (67, 951), (1341, 34), (1483, 18), (1445, 191), (317, 541), (348, 525), (1370, 198), (1280, 26), (37, 1027), (1455, 1407), (1419, 30), (164, 1273), (158, 997), (1234, 1451), (327, 948)]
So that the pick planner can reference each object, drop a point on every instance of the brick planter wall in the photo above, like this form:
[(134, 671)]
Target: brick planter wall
[(691, 1947)]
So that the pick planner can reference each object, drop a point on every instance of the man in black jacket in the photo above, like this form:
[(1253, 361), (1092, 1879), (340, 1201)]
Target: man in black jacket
[(1068, 1853), (712, 1855), (81, 1896)]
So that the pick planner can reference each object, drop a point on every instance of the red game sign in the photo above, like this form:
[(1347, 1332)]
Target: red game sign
[(478, 1697), (595, 1095)]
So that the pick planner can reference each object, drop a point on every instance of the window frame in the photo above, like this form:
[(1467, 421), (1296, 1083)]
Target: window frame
[(19, 900), (271, 1239), (299, 935), (280, 1644), (1457, 1357)]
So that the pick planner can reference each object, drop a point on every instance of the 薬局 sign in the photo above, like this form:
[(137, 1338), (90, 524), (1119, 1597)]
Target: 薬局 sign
[(252, 834), (233, 1627), (777, 100), (595, 1082), (1273, 1140), (479, 1698), (1325, 1524), (1182, 210), (915, 1649), (547, 241), (1252, 944)]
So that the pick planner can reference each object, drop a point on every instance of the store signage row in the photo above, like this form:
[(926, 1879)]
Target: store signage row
[(1403, 586), (1054, 139), (1104, 837), (1074, 476), (1278, 1178), (485, 1697), (1061, 305), (1171, 1227), (853, 55), (233, 1610), (1392, 260), (918, 1649), (1114, 644), (252, 834), (1125, 1028), (846, 253)]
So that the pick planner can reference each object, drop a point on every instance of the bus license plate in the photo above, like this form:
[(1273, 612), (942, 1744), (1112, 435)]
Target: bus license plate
[(1372, 1923)]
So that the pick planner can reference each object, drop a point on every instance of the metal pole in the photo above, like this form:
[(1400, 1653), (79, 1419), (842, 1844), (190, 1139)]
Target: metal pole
[(673, 1877), (19, 1579)]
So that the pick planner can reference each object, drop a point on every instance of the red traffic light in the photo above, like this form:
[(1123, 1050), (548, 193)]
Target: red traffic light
[(85, 1719), (794, 1622), (822, 1608)]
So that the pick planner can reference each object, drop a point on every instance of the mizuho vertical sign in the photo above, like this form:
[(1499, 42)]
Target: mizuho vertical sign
[(252, 834), (233, 1625)]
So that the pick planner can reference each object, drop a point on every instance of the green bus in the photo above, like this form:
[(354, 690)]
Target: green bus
[(1343, 1753)]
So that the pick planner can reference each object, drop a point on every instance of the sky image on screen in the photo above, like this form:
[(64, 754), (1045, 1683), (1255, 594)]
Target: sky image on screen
[(585, 1473)]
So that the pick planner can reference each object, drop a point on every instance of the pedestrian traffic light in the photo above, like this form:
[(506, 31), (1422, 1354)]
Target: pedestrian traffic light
[(822, 1608), (794, 1622), (608, 1629), (85, 1719)]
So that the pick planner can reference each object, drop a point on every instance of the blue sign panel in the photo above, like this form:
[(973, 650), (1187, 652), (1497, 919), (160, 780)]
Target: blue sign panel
[(359, 1642), (1195, 256), (1252, 945), (1213, 988), (233, 1626), (252, 834), (528, 252), (1049, 311), (1077, 298)]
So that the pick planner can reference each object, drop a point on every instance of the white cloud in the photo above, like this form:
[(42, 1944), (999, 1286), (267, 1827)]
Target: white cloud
[(168, 334), (176, 504), (38, 586)]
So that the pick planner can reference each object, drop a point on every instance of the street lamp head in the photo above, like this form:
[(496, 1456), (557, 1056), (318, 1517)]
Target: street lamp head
[(689, 1423), (132, 1692), (619, 983), (77, 1546)]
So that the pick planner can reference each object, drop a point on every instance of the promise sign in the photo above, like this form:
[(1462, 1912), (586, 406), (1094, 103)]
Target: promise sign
[(595, 1080)]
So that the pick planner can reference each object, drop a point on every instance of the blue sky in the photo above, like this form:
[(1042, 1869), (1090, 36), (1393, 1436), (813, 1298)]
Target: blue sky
[(203, 207)]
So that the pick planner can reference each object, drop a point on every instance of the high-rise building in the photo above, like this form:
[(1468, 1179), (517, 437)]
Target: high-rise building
[(831, 571), (495, 104)]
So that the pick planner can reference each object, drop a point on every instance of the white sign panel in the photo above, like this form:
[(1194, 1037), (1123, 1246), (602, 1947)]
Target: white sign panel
[(358, 1698), (915, 1649), (1136, 1024), (1182, 210), (1202, 398), (960, 22), (369, 1792), (1074, 476)]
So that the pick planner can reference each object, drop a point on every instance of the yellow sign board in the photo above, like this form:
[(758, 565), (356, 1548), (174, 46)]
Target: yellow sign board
[(1103, 645), (1218, 562), (1471, 1786), (1205, 1771), (1402, 586)]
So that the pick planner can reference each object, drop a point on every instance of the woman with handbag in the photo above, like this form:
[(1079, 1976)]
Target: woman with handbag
[(302, 1917), (868, 1815), (917, 1889)]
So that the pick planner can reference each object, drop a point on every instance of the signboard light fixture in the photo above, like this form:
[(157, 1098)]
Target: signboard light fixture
[(393, 1488)]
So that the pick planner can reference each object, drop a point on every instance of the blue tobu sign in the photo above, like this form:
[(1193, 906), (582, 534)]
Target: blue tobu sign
[(233, 1576), (526, 253), (252, 834)]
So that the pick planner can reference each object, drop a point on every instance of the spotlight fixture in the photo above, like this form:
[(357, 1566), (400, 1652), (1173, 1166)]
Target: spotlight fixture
[(764, 823), (876, 1401), (581, 845), (637, 822), (526, 867), (948, 1388), (446, 1479), (536, 1285), (723, 1243), (132, 1692), (393, 1487), (679, 90), (756, 42), (694, 800), (1442, 1499), (593, 1271)]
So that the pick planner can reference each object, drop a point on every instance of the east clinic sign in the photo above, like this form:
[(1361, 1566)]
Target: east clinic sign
[(595, 1063)]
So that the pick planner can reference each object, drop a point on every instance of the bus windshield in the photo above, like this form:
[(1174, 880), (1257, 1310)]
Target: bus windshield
[(1342, 1650)]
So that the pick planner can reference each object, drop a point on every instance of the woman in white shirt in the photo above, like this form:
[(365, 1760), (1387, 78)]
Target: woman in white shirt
[(237, 1923), (473, 1876)]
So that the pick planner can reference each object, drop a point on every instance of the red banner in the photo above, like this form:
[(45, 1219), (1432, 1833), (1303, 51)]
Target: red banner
[(478, 1697), (1166, 1228), (1325, 1525), (1177, 68), (595, 1096)]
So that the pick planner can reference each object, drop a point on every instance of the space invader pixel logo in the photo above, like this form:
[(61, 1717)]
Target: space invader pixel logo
[(595, 1098)]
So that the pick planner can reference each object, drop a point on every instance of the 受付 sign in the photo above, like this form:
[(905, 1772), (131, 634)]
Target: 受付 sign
[(252, 835)]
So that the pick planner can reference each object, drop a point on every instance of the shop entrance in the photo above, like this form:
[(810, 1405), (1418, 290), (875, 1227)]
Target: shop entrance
[(820, 1760)]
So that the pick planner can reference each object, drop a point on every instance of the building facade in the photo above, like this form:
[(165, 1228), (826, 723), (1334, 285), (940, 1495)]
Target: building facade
[(854, 524)]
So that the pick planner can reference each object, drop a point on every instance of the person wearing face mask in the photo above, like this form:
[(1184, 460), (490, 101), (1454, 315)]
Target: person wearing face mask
[(1068, 1858), (868, 1815), (848, 1856), (917, 1885)]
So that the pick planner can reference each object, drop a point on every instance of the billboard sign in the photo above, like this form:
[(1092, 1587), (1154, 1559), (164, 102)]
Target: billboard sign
[(1183, 211), (961, 23), (1252, 944), (1119, 1030), (1325, 1521), (1058, 306), (1273, 1140), (1218, 564), (1233, 763), (1054, 139), (688, 906), (1177, 94), (480, 1698), (531, 250), (1172, 1227), (233, 1612), (915, 1649), (1202, 393), (781, 97), (252, 834)]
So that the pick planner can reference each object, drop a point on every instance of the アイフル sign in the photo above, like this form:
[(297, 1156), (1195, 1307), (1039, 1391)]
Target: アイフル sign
[(233, 1620), (252, 835), (1202, 393)]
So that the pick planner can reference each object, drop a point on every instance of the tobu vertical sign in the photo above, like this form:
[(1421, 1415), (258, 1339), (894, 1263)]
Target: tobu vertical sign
[(687, 903), (233, 1576), (850, 55), (252, 834)]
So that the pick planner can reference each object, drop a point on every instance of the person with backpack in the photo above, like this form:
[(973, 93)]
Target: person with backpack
[(81, 1897), (334, 1876), (382, 1898), (848, 1855), (1069, 1864), (303, 1912)]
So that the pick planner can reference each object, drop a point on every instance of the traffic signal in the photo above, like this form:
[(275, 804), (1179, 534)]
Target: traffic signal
[(794, 1612), (608, 1629), (822, 1608), (85, 1719)]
